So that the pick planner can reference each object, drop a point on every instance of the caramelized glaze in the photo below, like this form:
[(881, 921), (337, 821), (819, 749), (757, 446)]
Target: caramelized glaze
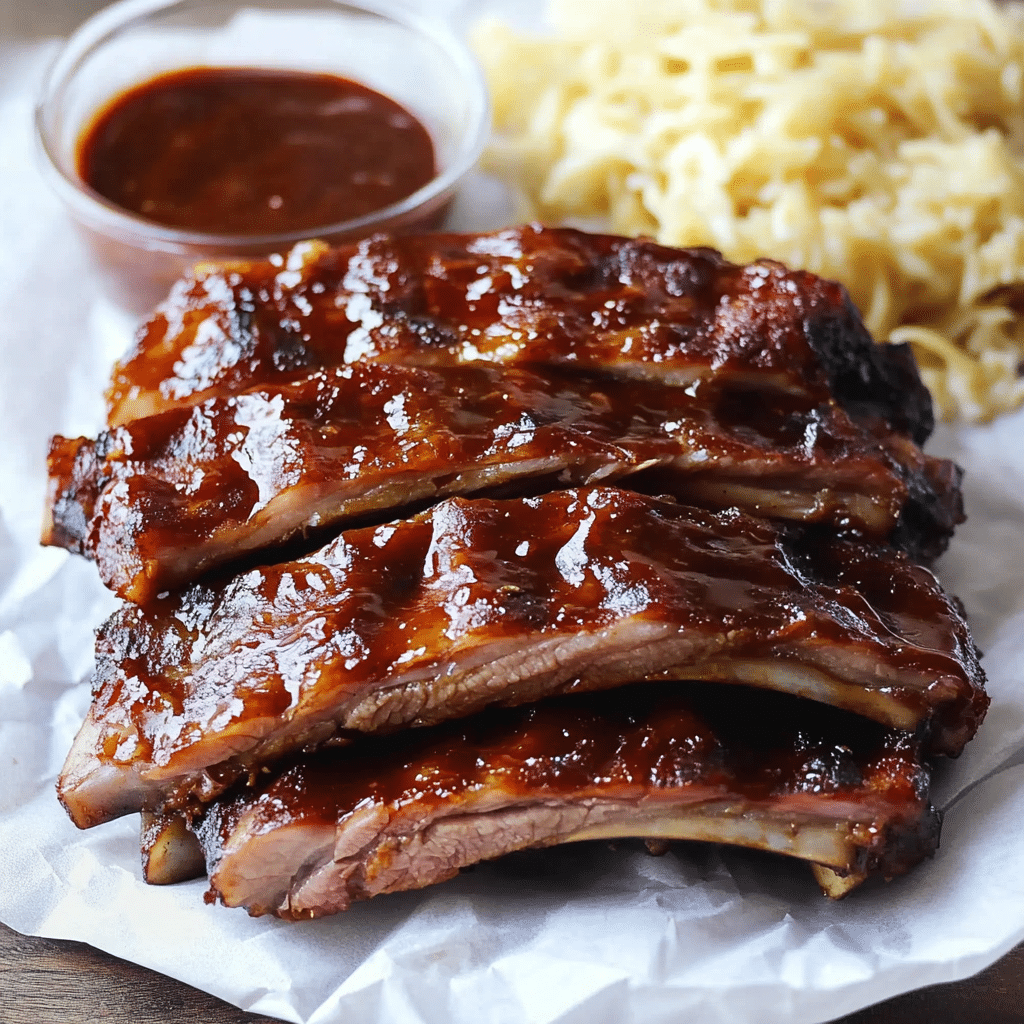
[(159, 500), (742, 743), (522, 295), (403, 811), (484, 601), (277, 401)]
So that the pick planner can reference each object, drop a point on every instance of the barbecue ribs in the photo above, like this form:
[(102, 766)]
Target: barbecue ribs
[(158, 501), (480, 601), (527, 295), (598, 496), (758, 770)]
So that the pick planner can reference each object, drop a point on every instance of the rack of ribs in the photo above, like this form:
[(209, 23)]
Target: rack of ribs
[(526, 295), (479, 602), (158, 501), (632, 543), (411, 810)]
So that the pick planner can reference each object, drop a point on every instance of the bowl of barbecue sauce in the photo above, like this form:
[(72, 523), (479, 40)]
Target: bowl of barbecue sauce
[(194, 130)]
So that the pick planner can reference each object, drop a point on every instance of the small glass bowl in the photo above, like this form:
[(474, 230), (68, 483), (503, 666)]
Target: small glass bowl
[(417, 61)]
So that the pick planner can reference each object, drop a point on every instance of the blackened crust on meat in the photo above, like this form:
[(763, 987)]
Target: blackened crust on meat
[(869, 380), (662, 761), (72, 491), (901, 847), (934, 508), (901, 592)]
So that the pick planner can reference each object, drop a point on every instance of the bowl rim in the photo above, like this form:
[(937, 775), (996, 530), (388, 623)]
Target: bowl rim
[(101, 214)]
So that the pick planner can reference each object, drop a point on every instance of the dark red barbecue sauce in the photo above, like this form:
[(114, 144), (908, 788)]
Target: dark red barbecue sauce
[(247, 151)]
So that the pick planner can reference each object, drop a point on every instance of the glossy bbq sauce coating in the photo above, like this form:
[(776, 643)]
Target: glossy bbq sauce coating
[(757, 746), (250, 152)]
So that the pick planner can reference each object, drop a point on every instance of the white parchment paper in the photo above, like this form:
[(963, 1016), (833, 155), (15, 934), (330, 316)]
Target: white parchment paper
[(579, 934)]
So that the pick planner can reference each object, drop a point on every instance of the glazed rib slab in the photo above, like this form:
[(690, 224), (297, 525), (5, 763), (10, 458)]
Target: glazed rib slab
[(725, 765), (526, 295), (159, 501), (480, 602)]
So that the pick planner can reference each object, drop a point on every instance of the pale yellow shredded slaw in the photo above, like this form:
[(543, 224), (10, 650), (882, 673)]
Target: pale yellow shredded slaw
[(877, 142)]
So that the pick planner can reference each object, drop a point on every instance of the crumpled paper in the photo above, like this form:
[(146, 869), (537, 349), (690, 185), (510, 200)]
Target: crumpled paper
[(581, 933)]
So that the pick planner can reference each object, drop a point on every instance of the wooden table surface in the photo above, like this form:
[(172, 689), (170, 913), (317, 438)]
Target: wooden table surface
[(48, 982)]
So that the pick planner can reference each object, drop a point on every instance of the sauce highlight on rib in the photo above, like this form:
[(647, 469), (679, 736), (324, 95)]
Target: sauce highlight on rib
[(249, 151)]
